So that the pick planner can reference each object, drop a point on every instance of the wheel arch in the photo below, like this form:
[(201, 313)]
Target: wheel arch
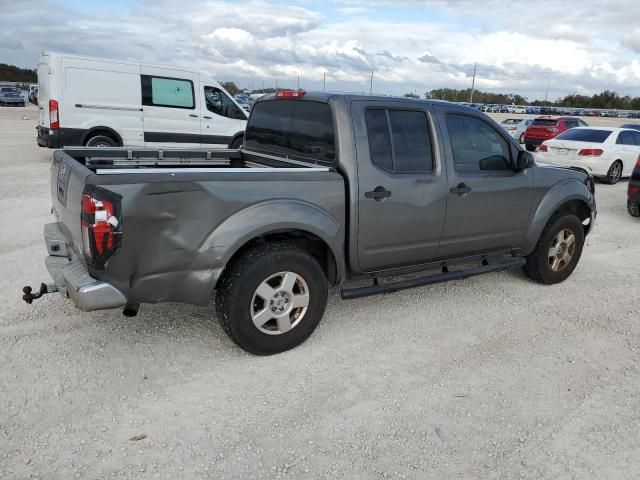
[(236, 137), (92, 132)]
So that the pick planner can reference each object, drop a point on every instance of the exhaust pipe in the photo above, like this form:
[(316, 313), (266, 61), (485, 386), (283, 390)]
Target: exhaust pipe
[(131, 309)]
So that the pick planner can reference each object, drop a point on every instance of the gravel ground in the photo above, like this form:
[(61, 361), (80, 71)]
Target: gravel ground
[(493, 377)]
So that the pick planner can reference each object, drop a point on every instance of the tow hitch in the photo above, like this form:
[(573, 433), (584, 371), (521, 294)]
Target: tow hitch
[(30, 297)]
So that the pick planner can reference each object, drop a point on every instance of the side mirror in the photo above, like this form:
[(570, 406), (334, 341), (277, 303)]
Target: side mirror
[(524, 161)]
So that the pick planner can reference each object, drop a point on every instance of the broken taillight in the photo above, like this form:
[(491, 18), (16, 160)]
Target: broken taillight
[(100, 223)]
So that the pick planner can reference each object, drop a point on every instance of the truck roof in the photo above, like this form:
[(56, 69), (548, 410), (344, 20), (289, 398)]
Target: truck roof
[(326, 97)]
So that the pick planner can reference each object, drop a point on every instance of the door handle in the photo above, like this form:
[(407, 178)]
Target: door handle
[(378, 193), (461, 189), (193, 115), (207, 117)]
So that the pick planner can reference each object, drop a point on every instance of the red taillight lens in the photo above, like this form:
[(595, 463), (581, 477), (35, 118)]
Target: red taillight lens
[(542, 148), (54, 119), (590, 152), (633, 190), (100, 225), (290, 94)]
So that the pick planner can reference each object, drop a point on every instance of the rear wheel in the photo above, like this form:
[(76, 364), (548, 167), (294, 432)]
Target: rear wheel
[(101, 141), (530, 148), (272, 298), (615, 173), (633, 208), (558, 250)]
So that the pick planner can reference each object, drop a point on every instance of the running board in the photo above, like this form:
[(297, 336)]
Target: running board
[(446, 276)]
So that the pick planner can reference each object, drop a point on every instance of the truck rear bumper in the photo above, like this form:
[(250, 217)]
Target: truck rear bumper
[(72, 277)]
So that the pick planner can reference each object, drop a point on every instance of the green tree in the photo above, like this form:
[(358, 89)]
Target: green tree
[(11, 73), (230, 87)]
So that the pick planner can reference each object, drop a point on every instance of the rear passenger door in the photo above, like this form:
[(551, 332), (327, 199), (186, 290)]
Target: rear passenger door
[(628, 150), (170, 109), (401, 183), (222, 119), (488, 203)]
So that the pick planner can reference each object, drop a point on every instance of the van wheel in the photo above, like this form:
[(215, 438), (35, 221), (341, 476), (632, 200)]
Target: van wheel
[(272, 298), (101, 141), (558, 250), (236, 143), (615, 173)]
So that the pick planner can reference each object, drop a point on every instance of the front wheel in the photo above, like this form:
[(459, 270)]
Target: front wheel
[(272, 298), (558, 250)]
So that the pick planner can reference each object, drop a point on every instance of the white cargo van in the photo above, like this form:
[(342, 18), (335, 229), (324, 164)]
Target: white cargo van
[(99, 102)]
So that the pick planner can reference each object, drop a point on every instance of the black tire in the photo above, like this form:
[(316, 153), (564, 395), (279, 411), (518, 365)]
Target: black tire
[(101, 141), (530, 148), (521, 139), (236, 143), (235, 298), (537, 267), (615, 173), (633, 208)]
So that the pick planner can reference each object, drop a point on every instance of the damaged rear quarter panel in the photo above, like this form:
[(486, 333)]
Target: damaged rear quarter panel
[(178, 232)]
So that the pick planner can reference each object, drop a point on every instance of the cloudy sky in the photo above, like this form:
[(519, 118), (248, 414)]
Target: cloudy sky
[(581, 46)]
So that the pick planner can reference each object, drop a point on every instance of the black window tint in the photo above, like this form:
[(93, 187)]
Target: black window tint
[(543, 122), (476, 145), (636, 137), (625, 138), (585, 135), (296, 128), (167, 92), (379, 138), (219, 103), (411, 141)]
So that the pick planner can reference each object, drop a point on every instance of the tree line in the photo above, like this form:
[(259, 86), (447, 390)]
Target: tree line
[(607, 99), (11, 73)]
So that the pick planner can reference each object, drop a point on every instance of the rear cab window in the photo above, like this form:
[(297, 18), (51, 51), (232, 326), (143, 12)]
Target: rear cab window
[(297, 129), (585, 135)]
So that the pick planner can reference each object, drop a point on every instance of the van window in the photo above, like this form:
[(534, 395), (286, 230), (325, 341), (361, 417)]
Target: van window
[(219, 103), (300, 129), (167, 92)]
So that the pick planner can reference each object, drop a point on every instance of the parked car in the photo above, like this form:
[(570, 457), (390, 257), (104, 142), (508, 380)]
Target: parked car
[(11, 96), (516, 127), (545, 128), (98, 102), (519, 109), (633, 191), (607, 153), (326, 188), (633, 126)]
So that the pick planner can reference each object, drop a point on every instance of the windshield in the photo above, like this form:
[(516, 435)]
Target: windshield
[(585, 135)]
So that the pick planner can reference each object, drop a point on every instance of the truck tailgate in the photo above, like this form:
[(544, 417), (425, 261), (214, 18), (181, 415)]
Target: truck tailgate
[(68, 178)]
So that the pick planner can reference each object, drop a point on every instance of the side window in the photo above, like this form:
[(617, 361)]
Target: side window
[(399, 140), (582, 124), (476, 145), (636, 137), (219, 103), (625, 138), (167, 92)]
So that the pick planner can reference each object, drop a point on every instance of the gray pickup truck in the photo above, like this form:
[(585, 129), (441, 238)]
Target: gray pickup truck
[(327, 189)]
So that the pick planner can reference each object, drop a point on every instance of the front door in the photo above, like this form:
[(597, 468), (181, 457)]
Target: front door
[(488, 203), (170, 109), (222, 119), (401, 185)]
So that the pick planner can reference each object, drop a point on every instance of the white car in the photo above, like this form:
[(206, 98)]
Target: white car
[(516, 127), (607, 153)]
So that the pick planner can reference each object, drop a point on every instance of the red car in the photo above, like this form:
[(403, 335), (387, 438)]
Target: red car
[(544, 128)]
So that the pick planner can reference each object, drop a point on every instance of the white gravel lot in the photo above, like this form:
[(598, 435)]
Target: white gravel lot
[(493, 377)]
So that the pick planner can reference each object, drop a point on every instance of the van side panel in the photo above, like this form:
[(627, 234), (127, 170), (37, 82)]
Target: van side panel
[(102, 94)]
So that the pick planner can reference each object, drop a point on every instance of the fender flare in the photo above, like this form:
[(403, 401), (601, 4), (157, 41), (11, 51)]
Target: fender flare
[(560, 194), (273, 217), (235, 137)]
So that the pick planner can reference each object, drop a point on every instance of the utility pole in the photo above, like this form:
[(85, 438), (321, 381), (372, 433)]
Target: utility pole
[(546, 94), (371, 83), (276, 85), (298, 81), (324, 81), (473, 82)]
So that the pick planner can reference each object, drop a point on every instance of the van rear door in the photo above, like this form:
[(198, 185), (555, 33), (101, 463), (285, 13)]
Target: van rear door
[(44, 90), (171, 109), (222, 118)]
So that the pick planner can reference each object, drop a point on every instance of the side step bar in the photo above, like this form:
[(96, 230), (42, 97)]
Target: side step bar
[(446, 276)]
